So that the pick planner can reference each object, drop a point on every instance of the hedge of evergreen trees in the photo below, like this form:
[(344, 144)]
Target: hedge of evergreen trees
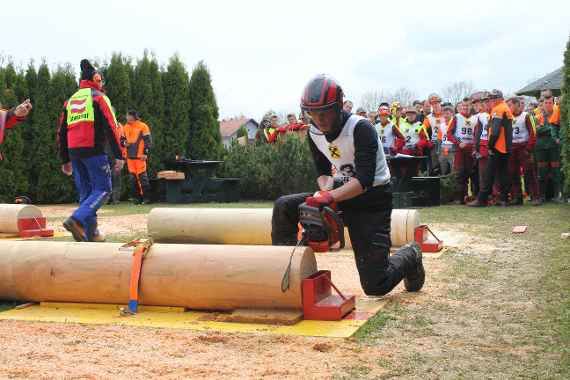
[(565, 118), (268, 171), (180, 109)]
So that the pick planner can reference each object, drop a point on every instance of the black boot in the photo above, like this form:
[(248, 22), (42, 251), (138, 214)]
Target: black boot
[(477, 203), (76, 229), (415, 273), (557, 198)]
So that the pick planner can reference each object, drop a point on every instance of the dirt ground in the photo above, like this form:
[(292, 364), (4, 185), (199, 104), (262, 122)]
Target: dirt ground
[(110, 224), (475, 318)]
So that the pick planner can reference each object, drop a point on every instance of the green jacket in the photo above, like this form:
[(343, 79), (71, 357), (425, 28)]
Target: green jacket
[(547, 134)]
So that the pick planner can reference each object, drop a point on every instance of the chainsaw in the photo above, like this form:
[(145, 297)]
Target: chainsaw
[(323, 228), (323, 231)]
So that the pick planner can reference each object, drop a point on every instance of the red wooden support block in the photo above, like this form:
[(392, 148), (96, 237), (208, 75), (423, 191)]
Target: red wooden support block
[(319, 302), (427, 240), (33, 227)]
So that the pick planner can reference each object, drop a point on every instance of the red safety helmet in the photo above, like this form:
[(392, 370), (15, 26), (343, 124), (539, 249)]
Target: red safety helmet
[(322, 93)]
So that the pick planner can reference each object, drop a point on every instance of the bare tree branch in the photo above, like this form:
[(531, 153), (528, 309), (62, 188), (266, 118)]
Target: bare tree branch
[(456, 91), (370, 100)]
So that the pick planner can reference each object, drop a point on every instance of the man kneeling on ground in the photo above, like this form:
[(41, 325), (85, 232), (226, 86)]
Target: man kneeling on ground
[(350, 144)]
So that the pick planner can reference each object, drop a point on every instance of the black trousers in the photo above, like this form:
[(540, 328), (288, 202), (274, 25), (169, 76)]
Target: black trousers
[(369, 231), (117, 187), (497, 168), (140, 186)]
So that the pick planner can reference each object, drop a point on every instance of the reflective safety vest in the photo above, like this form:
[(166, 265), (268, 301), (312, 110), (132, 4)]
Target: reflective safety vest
[(533, 122), (386, 135), (520, 131), (269, 134), (81, 118), (411, 133), (80, 108), (465, 128)]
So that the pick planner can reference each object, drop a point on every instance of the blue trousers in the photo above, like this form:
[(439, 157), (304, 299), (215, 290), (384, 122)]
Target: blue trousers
[(93, 182)]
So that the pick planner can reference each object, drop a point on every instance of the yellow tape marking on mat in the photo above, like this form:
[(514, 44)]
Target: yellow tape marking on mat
[(176, 317)]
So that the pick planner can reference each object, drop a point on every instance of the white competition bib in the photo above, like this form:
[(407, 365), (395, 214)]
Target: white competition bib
[(520, 132), (340, 153)]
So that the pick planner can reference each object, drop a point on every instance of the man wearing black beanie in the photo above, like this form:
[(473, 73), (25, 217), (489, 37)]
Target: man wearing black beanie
[(86, 124)]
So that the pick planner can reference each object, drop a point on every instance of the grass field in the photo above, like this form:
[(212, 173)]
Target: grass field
[(497, 305)]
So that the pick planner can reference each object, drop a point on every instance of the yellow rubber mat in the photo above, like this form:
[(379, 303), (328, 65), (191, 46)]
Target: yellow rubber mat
[(178, 318), (56, 234)]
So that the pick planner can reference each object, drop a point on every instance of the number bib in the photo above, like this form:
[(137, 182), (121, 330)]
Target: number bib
[(465, 128), (520, 132)]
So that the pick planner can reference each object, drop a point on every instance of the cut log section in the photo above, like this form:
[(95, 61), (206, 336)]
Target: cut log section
[(23, 220), (202, 277), (170, 174), (244, 226)]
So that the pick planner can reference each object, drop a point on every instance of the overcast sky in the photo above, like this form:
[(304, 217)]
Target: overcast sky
[(261, 53)]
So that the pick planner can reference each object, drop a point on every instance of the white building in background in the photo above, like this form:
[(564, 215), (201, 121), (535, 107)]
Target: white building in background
[(230, 127)]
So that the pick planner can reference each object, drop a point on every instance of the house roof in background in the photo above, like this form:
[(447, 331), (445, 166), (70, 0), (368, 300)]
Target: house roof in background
[(552, 81), (230, 126)]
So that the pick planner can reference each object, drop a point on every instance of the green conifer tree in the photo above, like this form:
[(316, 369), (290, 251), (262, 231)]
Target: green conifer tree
[(52, 185), (39, 133), (142, 86), (176, 121), (565, 118), (205, 138), (118, 84), (12, 166), (155, 115)]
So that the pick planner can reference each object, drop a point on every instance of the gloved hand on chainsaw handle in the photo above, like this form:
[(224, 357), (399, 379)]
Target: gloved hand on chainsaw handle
[(320, 199)]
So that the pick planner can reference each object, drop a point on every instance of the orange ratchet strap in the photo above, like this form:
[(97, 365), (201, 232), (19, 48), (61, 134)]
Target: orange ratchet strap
[(141, 249)]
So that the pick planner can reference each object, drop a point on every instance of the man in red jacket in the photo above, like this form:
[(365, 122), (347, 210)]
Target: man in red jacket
[(524, 140), (87, 123), (9, 119)]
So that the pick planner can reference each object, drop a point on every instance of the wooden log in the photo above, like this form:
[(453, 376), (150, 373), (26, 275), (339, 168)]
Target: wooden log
[(244, 226), (170, 174), (11, 213), (196, 277)]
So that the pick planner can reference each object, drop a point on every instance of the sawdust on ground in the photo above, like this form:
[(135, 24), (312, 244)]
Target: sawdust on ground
[(51, 350), (108, 224), (441, 332), (41, 350)]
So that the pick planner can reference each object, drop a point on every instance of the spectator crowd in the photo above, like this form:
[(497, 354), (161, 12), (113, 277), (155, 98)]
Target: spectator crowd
[(500, 151)]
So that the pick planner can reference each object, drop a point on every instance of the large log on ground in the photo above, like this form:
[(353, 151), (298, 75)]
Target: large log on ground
[(243, 226), (210, 277), (11, 213)]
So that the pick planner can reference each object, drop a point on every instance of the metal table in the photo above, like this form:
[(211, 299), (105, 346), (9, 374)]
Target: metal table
[(199, 183)]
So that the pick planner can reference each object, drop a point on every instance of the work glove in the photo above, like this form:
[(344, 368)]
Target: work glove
[(320, 199)]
